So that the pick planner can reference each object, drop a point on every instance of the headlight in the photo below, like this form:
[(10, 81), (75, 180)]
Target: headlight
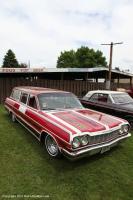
[(84, 140), (76, 142), (121, 131), (124, 129)]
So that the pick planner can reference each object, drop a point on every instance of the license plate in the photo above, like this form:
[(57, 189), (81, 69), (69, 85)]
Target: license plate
[(104, 149)]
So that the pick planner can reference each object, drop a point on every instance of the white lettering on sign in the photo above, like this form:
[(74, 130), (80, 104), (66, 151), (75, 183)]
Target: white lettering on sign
[(22, 70), (22, 109), (8, 70), (38, 70)]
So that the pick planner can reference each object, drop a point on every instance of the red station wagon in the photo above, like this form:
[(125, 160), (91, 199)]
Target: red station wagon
[(59, 121)]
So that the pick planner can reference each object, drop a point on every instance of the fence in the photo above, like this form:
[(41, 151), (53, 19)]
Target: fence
[(77, 87)]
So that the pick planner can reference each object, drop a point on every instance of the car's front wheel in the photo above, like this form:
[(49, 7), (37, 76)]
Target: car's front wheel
[(52, 146), (13, 117)]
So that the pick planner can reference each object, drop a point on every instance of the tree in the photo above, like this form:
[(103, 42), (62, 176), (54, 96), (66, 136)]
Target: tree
[(23, 65), (10, 60), (67, 59), (117, 68), (82, 58)]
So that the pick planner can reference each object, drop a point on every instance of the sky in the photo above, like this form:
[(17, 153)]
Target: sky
[(38, 30)]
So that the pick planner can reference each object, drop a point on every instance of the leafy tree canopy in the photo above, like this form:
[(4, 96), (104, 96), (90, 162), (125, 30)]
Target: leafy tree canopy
[(117, 68), (82, 58), (10, 60), (23, 65), (67, 59)]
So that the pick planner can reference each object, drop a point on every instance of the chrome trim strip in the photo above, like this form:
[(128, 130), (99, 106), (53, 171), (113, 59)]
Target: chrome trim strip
[(21, 117), (49, 132), (38, 124), (80, 152), (38, 138), (42, 116)]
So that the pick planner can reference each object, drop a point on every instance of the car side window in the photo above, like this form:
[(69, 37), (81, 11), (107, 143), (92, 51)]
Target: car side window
[(16, 94), (94, 97), (103, 98), (24, 97), (100, 98), (32, 102)]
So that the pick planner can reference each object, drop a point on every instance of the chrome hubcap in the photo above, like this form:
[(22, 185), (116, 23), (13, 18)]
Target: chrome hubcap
[(51, 146), (13, 118)]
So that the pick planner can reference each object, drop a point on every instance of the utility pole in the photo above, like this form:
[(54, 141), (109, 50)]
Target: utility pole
[(28, 63), (108, 83)]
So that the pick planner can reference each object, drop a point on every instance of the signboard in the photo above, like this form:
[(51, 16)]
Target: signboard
[(32, 70), (39, 70), (21, 70)]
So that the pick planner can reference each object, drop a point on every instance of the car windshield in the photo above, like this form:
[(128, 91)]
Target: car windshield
[(58, 100), (122, 98)]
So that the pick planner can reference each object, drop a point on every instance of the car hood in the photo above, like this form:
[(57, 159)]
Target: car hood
[(83, 120)]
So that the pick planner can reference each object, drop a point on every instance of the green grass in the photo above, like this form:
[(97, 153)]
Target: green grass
[(26, 169)]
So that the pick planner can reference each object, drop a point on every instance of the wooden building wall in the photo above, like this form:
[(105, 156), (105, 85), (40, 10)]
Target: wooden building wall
[(77, 87)]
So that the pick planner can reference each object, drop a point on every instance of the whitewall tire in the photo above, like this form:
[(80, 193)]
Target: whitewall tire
[(52, 146)]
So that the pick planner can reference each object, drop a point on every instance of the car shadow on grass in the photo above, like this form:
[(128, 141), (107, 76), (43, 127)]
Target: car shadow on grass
[(63, 164)]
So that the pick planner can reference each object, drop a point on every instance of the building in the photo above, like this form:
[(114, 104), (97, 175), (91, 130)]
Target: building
[(77, 80)]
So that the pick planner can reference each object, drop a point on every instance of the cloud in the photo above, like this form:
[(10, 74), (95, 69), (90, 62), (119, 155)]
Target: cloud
[(38, 30)]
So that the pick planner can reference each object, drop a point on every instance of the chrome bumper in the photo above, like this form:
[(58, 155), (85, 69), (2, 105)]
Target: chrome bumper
[(93, 150)]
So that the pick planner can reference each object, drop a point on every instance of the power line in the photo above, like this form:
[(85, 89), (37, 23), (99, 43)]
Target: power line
[(110, 61)]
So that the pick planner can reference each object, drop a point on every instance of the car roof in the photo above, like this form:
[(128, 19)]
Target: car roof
[(105, 92), (38, 90)]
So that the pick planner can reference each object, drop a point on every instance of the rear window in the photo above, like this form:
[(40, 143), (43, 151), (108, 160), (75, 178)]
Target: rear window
[(16, 94), (122, 98)]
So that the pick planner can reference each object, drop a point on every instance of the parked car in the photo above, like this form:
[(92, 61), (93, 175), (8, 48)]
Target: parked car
[(115, 103), (130, 92), (58, 120)]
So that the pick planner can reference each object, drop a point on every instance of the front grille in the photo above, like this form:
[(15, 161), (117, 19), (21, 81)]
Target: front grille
[(104, 137)]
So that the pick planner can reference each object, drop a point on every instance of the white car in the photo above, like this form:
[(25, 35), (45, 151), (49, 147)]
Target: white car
[(116, 103)]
